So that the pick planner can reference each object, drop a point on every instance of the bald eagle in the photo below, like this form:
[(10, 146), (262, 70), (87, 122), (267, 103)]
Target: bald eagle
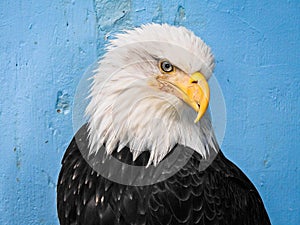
[(148, 153)]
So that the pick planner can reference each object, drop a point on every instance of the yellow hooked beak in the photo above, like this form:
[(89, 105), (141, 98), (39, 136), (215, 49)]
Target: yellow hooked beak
[(201, 94), (193, 90)]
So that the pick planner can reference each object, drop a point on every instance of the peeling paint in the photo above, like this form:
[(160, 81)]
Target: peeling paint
[(140, 10), (266, 161), (157, 17), (262, 181), (118, 12), (17, 151), (111, 17), (50, 181), (62, 102), (180, 16)]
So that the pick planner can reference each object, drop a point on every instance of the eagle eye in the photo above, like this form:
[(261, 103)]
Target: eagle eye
[(166, 66)]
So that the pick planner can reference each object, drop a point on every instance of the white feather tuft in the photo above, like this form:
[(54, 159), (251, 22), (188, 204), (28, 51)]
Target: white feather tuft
[(127, 110)]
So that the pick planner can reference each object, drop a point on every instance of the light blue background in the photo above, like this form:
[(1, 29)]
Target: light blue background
[(45, 47)]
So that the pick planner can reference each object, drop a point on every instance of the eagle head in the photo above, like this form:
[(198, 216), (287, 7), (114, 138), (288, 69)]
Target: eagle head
[(150, 92)]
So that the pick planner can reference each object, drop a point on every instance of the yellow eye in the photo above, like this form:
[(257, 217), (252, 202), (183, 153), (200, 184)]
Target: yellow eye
[(166, 66)]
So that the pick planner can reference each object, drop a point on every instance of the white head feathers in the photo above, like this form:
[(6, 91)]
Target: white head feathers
[(126, 108)]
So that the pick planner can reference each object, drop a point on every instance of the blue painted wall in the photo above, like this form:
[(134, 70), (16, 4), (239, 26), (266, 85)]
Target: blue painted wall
[(45, 47)]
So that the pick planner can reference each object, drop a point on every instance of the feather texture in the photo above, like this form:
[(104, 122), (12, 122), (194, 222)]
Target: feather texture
[(126, 107), (219, 195)]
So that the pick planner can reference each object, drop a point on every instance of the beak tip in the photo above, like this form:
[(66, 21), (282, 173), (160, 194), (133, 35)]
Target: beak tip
[(199, 116)]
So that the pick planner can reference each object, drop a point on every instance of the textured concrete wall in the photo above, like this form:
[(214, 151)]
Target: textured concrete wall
[(45, 46)]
